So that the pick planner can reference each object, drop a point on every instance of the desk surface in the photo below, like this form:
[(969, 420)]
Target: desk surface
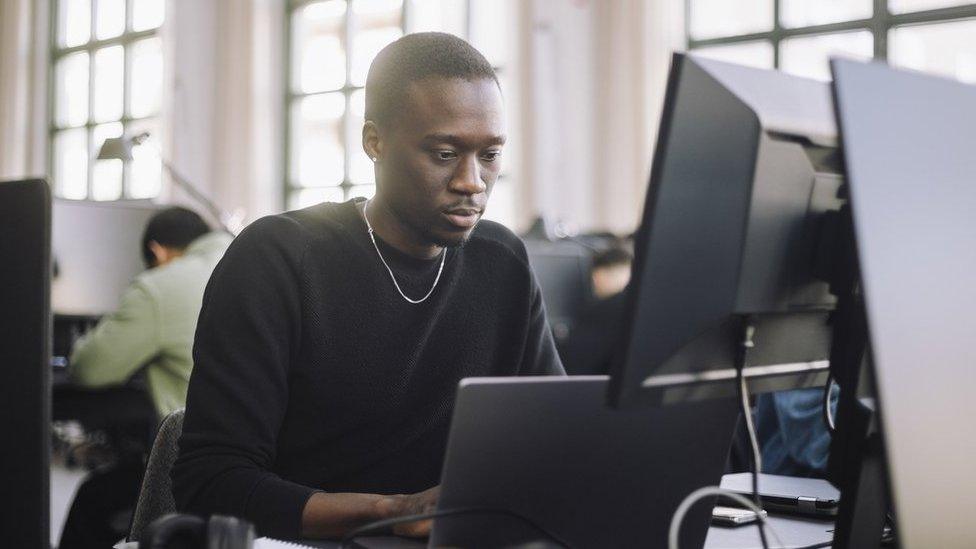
[(792, 532)]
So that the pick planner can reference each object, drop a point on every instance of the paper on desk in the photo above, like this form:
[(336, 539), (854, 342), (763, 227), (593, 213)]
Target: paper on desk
[(269, 543)]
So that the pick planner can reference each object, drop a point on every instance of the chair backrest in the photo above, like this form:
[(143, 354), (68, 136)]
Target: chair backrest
[(156, 494)]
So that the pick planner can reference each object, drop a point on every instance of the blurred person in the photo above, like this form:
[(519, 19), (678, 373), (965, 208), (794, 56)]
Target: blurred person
[(792, 434), (589, 347), (332, 339), (151, 330), (157, 315)]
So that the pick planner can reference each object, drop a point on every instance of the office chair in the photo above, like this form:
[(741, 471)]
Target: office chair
[(156, 494)]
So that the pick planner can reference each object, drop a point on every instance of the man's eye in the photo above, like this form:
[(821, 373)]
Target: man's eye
[(491, 156), (445, 155)]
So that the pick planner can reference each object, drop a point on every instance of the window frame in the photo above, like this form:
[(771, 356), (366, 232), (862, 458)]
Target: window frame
[(879, 24), (56, 52)]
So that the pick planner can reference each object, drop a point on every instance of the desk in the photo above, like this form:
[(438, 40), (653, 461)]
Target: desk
[(792, 531)]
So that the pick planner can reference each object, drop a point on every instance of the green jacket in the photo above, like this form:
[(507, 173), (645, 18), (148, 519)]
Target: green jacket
[(153, 327)]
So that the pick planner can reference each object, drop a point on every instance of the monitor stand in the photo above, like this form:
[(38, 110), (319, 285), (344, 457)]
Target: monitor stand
[(856, 464)]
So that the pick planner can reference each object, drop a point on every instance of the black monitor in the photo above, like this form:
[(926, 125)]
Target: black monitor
[(562, 269), (25, 397), (746, 164)]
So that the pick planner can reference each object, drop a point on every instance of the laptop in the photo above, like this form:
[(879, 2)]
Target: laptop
[(802, 496), (550, 450)]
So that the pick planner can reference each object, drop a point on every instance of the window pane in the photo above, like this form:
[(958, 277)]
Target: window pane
[(501, 204), (437, 15), (71, 97), (492, 31), (74, 22), (376, 23), (362, 191), (715, 18), (71, 163), (753, 54), (902, 6), (805, 13), (145, 170), (945, 48), (106, 174), (146, 80), (319, 55), (109, 18), (147, 14), (316, 140), (809, 56), (309, 197), (109, 64), (360, 166)]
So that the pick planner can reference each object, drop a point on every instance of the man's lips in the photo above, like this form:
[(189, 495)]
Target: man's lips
[(463, 218)]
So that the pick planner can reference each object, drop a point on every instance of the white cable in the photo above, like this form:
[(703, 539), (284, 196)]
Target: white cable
[(750, 426), (828, 409), (704, 492)]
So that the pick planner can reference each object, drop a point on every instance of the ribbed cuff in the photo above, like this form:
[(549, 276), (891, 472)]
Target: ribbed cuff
[(276, 506)]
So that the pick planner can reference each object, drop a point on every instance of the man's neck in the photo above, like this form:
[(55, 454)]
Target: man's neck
[(395, 232)]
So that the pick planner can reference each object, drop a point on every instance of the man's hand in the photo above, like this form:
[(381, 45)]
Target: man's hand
[(412, 504)]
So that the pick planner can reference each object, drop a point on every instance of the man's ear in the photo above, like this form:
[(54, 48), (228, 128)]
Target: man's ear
[(158, 251), (372, 142)]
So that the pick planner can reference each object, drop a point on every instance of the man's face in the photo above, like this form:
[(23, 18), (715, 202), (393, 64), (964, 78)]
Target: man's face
[(441, 156)]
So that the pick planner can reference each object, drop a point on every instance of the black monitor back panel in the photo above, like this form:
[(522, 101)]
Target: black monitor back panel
[(25, 402), (741, 176)]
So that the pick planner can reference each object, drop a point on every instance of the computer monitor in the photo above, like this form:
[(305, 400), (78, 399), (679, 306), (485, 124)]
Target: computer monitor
[(746, 165), (562, 269), (96, 250), (908, 142), (25, 395)]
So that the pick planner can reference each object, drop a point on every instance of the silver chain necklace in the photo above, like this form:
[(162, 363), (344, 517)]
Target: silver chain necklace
[(369, 228)]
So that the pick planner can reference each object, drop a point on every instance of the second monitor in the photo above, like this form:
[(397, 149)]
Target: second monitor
[(745, 167)]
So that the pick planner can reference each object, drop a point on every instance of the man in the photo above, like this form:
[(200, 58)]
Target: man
[(154, 324), (152, 329), (332, 339)]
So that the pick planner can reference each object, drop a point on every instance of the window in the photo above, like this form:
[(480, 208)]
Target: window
[(799, 36), (107, 74), (333, 43)]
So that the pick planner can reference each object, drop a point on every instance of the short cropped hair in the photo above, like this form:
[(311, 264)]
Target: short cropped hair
[(415, 57), (174, 227)]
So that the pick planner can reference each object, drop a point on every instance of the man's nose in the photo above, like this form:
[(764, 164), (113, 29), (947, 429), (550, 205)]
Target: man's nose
[(467, 177)]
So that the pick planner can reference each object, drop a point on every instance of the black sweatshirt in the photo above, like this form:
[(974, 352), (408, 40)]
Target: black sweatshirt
[(311, 372)]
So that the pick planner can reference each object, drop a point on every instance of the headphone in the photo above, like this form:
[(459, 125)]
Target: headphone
[(192, 532)]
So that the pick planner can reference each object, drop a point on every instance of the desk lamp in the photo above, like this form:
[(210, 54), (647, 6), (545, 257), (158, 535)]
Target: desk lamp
[(120, 148)]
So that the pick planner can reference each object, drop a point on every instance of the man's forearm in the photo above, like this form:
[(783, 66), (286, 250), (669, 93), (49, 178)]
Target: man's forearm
[(335, 515)]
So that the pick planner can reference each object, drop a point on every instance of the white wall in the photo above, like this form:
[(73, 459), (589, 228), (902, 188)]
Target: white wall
[(23, 98), (593, 82), (225, 101)]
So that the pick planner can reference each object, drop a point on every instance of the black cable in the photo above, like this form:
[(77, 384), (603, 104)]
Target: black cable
[(387, 523), (741, 354)]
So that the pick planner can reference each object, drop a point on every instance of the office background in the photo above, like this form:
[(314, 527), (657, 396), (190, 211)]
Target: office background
[(258, 101)]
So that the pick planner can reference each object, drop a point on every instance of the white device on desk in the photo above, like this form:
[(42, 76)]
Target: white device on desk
[(95, 247)]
